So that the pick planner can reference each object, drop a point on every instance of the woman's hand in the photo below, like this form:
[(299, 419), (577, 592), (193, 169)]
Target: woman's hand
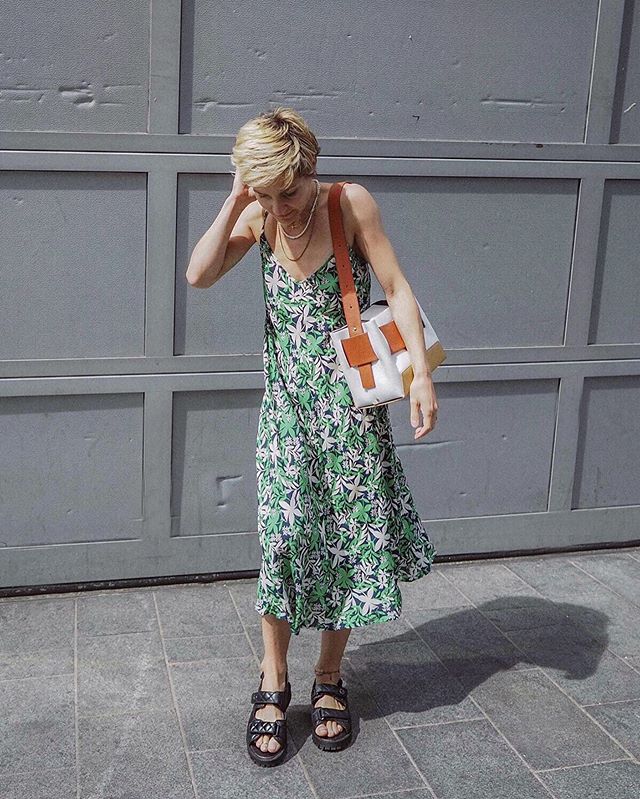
[(241, 194), (423, 398)]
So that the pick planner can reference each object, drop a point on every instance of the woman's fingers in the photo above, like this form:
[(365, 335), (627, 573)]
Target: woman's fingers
[(415, 413), (429, 421)]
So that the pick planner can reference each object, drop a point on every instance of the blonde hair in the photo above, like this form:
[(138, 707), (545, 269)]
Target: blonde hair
[(275, 147)]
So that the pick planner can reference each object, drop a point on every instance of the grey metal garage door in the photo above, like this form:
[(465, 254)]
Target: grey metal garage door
[(501, 141)]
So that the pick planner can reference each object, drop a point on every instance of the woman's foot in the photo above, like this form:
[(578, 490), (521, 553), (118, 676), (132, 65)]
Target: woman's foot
[(270, 682), (331, 728)]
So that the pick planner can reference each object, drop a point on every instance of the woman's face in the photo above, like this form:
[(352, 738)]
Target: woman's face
[(288, 206)]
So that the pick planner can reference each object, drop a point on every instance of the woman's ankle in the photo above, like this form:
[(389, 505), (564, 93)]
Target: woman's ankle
[(274, 671), (327, 674)]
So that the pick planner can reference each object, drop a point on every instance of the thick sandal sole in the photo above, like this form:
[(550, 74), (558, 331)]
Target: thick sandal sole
[(333, 743), (266, 759)]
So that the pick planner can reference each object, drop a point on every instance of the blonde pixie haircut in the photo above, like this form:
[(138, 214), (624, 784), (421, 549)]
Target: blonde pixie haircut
[(275, 147)]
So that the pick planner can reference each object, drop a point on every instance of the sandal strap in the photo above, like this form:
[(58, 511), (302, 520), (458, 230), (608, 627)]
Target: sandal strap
[(278, 698), (338, 691), (323, 715), (319, 714), (277, 729)]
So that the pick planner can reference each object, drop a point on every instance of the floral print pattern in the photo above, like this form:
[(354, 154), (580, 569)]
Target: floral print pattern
[(337, 522)]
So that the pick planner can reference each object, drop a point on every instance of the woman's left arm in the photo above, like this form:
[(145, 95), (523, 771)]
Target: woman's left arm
[(373, 243)]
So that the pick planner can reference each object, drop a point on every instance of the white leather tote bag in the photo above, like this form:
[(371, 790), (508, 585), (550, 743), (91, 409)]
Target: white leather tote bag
[(370, 350)]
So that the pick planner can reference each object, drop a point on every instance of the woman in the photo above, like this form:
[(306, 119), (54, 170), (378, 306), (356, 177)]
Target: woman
[(337, 523)]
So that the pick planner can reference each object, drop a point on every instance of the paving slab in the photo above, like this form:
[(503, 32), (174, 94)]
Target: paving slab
[(604, 614), (468, 644), (203, 647), (621, 573), (619, 780), (410, 685), (36, 637), (37, 723), (122, 674), (59, 783), (578, 663), (622, 721), (134, 756), (117, 613), (230, 774), (196, 609), (541, 722), (470, 760)]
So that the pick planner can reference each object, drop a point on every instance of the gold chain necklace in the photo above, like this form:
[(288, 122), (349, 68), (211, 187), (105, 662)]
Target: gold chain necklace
[(312, 220), (313, 208), (289, 257)]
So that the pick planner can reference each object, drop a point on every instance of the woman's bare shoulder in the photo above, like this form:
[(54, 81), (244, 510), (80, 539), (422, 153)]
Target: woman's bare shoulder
[(356, 197), (358, 207)]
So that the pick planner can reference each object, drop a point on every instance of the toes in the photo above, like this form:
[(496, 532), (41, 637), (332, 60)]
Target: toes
[(267, 743), (330, 729)]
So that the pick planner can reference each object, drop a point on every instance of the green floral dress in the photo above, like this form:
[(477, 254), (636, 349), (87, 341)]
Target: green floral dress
[(337, 523)]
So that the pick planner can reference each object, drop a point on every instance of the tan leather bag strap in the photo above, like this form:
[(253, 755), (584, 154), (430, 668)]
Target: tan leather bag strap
[(357, 347)]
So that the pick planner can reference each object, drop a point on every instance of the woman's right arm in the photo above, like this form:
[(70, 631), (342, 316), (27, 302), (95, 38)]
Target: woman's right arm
[(227, 240)]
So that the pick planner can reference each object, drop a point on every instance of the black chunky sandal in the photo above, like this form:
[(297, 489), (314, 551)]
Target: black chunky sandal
[(278, 728), (320, 715)]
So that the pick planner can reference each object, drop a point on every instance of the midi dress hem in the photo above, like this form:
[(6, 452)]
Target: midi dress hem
[(295, 629), (275, 609)]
